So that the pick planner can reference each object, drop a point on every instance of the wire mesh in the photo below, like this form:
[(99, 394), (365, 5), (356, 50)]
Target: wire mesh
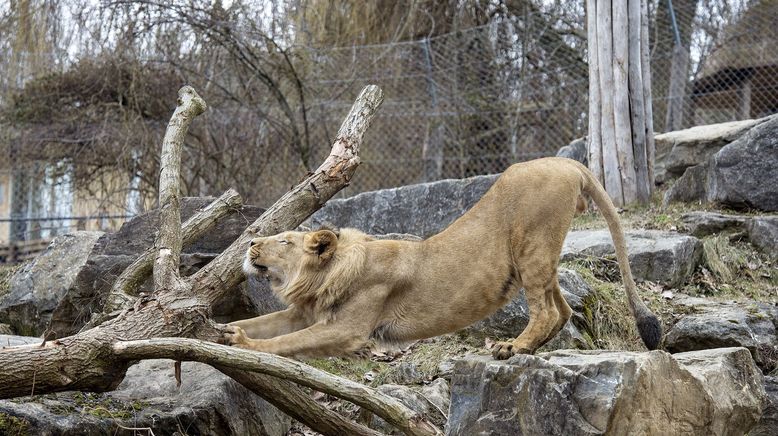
[(456, 105)]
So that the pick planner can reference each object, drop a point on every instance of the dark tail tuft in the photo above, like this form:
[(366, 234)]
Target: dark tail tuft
[(650, 330)]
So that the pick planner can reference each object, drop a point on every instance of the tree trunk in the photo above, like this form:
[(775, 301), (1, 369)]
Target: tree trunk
[(96, 360), (620, 130)]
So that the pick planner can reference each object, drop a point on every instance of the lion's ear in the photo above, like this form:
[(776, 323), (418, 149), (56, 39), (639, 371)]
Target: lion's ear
[(321, 244)]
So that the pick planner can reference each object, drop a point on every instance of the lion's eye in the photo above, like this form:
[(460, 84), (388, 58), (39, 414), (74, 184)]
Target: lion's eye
[(283, 242)]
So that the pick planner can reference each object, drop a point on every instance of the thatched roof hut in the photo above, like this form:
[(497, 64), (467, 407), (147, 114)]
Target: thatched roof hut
[(740, 77)]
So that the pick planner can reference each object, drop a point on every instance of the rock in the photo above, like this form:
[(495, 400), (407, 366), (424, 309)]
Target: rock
[(763, 233), (37, 288), (768, 423), (431, 401), (113, 252), (691, 187), (438, 393), (148, 397), (667, 258), (750, 325), (406, 373), (681, 149), (512, 318), (424, 209), (701, 223), (576, 150), (607, 392), (743, 173), (5, 329), (13, 341)]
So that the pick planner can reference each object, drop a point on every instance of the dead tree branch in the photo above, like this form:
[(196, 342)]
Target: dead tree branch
[(180, 307), (382, 405)]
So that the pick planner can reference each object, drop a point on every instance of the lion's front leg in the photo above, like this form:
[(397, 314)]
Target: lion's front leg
[(319, 340)]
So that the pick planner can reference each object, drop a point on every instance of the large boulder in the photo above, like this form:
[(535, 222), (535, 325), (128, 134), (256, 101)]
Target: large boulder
[(113, 252), (511, 319), (691, 187), (424, 209), (726, 324), (712, 392), (667, 258), (743, 173), (37, 288), (206, 403), (682, 149)]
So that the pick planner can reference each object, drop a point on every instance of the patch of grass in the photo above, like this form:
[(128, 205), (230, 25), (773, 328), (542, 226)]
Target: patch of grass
[(733, 269), (350, 368), (13, 426)]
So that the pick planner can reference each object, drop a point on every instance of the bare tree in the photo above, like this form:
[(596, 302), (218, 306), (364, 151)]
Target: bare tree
[(97, 359), (621, 142)]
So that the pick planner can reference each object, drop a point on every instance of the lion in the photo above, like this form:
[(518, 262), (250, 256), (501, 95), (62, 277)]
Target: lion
[(346, 290)]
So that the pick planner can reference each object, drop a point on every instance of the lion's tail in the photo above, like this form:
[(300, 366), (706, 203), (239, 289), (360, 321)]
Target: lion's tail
[(648, 324)]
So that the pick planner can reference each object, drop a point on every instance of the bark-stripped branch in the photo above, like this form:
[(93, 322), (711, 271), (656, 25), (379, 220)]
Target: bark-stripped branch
[(180, 308), (128, 282), (382, 405)]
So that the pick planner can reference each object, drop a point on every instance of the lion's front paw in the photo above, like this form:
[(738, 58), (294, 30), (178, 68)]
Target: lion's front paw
[(504, 350), (235, 336)]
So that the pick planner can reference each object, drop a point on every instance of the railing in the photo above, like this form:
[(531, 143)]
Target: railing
[(21, 251)]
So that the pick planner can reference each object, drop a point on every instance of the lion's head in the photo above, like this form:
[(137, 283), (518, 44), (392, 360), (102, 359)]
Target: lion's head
[(308, 266)]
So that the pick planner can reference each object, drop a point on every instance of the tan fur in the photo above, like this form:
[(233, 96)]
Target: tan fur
[(345, 290)]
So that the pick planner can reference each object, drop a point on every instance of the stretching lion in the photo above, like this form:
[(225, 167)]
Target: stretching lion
[(346, 290)]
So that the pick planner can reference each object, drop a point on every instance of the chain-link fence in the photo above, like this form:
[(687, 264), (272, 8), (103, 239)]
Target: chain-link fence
[(456, 105)]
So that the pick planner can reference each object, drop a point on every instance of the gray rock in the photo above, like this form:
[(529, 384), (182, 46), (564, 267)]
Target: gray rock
[(663, 257), (512, 318), (113, 252), (717, 324), (37, 288), (5, 329), (13, 341), (768, 423), (606, 392), (701, 223), (424, 209), (691, 187), (576, 150), (763, 233), (430, 401), (744, 172), (207, 402), (405, 373), (679, 150)]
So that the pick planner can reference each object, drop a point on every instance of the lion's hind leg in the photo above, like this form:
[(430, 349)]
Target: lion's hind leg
[(544, 317)]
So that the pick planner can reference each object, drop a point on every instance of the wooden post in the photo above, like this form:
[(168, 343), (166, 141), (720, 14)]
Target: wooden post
[(621, 143)]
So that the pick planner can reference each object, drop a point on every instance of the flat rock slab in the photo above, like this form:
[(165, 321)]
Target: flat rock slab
[(667, 258), (207, 403), (727, 324), (762, 230), (712, 392)]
